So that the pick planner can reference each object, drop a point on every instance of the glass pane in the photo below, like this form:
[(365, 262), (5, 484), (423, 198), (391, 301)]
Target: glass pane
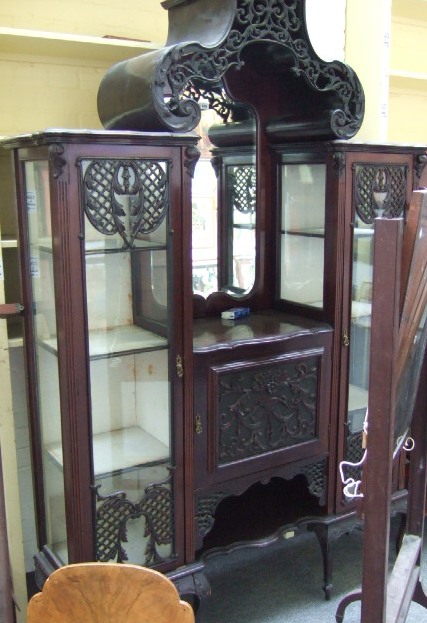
[(127, 303), (241, 184), (44, 319), (224, 197), (302, 233), (243, 254), (204, 224), (360, 329)]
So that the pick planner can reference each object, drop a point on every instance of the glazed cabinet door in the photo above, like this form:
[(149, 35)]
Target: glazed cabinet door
[(377, 184), (102, 235), (329, 196)]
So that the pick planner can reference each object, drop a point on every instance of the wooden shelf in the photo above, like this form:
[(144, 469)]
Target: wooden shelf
[(41, 43)]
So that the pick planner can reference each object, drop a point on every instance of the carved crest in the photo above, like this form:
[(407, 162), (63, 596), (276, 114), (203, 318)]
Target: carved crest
[(379, 190), (128, 197)]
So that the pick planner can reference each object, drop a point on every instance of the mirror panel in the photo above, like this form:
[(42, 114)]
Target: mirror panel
[(224, 201), (204, 205)]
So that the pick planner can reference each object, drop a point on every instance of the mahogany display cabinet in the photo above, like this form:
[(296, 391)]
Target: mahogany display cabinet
[(153, 417), (146, 420), (101, 243)]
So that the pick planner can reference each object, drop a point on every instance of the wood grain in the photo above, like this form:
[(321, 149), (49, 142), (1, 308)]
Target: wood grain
[(104, 592)]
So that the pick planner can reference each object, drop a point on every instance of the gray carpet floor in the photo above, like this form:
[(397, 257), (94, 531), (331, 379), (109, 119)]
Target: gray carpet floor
[(282, 583)]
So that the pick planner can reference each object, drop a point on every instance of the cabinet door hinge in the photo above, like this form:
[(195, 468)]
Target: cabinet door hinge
[(179, 366)]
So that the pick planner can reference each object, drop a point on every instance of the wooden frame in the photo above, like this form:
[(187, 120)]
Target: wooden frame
[(393, 347)]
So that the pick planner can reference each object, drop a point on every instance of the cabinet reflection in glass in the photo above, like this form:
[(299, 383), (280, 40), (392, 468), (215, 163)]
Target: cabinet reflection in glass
[(224, 202)]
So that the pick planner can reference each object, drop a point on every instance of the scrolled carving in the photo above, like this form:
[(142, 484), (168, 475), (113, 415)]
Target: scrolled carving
[(161, 90), (269, 21), (216, 98), (216, 163), (265, 408), (115, 510), (315, 475), (57, 162), (192, 155), (206, 507), (420, 163)]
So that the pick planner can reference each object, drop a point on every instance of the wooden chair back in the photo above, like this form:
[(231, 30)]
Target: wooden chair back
[(108, 593)]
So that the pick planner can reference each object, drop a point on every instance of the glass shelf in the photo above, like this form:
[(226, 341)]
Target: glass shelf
[(120, 340), (119, 450), (302, 234), (99, 247), (309, 233), (357, 398)]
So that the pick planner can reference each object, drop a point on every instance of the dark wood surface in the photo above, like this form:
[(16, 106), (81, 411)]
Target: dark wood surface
[(264, 327), (277, 332), (385, 596)]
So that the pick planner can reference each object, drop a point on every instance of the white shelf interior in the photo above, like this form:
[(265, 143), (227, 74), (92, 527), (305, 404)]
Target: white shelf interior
[(119, 450), (357, 398), (118, 340), (361, 309)]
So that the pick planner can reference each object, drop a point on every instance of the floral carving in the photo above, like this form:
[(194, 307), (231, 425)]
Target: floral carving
[(266, 408)]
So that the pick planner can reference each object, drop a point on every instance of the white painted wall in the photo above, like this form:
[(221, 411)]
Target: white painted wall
[(326, 27), (368, 27)]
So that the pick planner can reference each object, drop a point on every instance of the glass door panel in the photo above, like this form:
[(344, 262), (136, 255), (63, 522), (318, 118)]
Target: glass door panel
[(302, 233), (46, 360), (127, 289), (360, 329)]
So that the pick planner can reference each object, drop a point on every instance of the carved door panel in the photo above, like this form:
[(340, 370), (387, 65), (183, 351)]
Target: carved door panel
[(261, 408)]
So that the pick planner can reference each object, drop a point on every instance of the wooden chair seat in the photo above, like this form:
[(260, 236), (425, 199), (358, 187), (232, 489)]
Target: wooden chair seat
[(108, 592)]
